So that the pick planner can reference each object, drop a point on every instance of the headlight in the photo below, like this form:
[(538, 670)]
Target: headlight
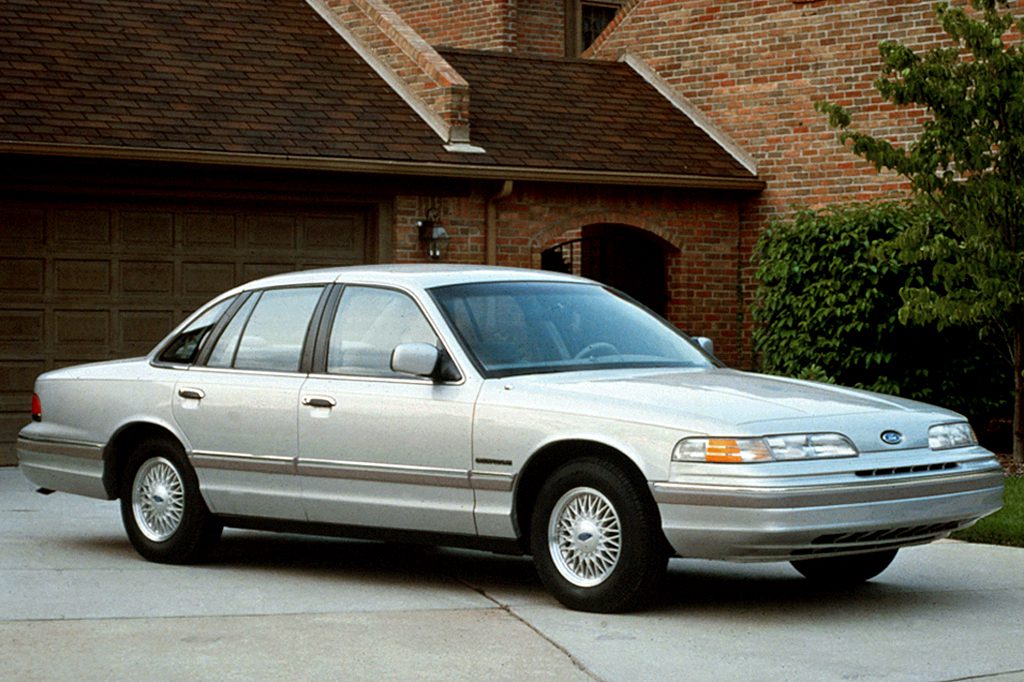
[(794, 446), (721, 450), (946, 436)]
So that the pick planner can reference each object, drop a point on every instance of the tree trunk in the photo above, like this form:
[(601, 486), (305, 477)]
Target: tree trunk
[(1018, 393)]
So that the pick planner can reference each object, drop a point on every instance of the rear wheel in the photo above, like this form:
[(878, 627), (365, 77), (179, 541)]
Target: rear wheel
[(163, 513), (596, 538), (845, 570)]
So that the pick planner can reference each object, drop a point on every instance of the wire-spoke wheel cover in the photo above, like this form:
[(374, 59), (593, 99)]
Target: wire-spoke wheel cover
[(584, 537), (158, 499)]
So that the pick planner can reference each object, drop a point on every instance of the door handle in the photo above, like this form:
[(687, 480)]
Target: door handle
[(191, 393), (317, 401)]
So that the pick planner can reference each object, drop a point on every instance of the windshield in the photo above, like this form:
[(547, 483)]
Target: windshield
[(527, 327)]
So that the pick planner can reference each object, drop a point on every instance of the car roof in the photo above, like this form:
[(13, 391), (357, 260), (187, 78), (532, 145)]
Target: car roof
[(420, 275)]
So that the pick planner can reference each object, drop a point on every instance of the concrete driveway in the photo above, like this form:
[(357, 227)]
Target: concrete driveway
[(77, 603)]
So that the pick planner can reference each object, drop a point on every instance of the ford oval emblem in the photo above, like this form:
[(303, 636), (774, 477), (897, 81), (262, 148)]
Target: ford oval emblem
[(892, 437)]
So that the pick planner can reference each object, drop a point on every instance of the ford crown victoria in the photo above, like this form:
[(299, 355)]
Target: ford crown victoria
[(506, 409)]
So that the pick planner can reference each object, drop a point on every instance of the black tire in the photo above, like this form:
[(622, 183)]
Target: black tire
[(163, 513), (845, 570), (609, 555)]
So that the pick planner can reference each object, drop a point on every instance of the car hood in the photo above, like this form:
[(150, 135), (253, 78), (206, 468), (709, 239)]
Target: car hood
[(728, 402)]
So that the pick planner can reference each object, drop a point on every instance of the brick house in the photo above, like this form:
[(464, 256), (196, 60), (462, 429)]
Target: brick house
[(154, 154)]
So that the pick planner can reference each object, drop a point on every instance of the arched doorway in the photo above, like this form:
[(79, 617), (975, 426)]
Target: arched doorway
[(627, 258)]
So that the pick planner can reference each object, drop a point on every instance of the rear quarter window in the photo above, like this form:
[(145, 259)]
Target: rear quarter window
[(185, 347)]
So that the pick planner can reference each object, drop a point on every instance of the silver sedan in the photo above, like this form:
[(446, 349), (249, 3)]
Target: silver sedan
[(504, 409)]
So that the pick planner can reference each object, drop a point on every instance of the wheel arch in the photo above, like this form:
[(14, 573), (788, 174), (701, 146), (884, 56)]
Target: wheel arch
[(121, 446), (542, 463)]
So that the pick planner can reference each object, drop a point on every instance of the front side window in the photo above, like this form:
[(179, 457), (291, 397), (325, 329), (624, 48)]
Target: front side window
[(268, 333), (526, 327), (185, 347), (369, 323)]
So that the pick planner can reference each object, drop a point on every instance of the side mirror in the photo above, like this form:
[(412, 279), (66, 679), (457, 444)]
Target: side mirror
[(706, 344), (424, 360), (415, 358)]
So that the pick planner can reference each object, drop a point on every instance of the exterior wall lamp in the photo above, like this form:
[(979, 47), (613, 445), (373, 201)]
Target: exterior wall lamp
[(433, 235)]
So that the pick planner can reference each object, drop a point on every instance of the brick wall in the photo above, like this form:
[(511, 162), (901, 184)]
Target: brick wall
[(756, 67), (703, 226), (540, 27), (525, 26), (468, 24)]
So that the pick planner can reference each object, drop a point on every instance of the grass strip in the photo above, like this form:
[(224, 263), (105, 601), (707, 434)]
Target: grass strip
[(1006, 526)]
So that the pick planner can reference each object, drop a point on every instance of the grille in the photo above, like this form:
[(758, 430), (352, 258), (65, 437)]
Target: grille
[(876, 539), (916, 469)]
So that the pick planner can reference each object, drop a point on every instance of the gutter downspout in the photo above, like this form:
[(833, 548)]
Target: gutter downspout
[(491, 219)]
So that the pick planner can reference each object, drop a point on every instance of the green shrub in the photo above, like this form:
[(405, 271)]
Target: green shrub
[(827, 309)]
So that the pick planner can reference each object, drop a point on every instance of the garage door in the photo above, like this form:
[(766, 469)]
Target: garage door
[(82, 282)]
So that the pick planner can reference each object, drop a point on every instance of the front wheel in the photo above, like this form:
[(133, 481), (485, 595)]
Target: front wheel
[(845, 570), (163, 513), (596, 538)]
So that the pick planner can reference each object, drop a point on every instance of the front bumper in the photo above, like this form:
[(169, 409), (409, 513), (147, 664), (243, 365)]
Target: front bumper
[(788, 521)]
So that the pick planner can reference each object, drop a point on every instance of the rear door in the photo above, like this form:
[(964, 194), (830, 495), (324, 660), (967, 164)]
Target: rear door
[(238, 406)]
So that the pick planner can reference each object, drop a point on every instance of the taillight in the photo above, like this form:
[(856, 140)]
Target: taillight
[(37, 409)]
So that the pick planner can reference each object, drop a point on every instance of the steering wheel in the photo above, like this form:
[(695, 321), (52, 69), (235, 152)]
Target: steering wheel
[(596, 349)]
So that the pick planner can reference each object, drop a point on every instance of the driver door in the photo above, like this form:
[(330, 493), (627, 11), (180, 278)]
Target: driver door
[(378, 448)]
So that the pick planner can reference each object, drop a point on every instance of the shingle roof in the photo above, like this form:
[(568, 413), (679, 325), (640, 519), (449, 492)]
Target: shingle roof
[(270, 78), (251, 76), (543, 112)]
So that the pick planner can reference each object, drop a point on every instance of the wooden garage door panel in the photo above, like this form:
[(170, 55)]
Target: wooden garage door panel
[(344, 236), (273, 232), (147, 229), (90, 281), (83, 329), (81, 226), (82, 276), (147, 277), (23, 275), (256, 270), (16, 379), (208, 229), (10, 423), (20, 328), (140, 329), (22, 225), (207, 279)]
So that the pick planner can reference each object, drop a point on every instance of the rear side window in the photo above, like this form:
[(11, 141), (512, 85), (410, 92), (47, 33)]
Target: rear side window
[(268, 332), (223, 353), (185, 347)]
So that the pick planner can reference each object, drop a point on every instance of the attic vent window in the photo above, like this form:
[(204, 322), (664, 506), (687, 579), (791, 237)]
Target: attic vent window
[(593, 19), (584, 21)]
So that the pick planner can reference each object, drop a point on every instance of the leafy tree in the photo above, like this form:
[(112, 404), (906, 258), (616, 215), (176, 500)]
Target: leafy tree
[(967, 167)]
